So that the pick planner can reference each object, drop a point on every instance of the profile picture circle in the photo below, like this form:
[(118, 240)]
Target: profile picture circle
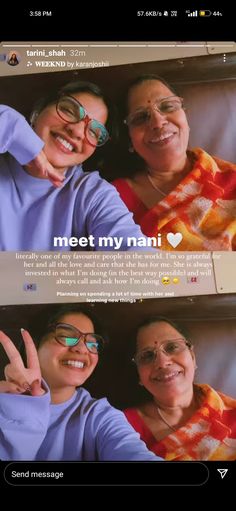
[(13, 58)]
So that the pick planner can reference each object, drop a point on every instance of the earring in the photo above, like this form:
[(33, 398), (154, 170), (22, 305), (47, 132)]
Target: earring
[(140, 383), (131, 149), (33, 118)]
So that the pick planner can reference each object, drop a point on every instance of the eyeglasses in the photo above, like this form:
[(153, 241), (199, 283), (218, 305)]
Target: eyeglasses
[(165, 106), (169, 348), (69, 336), (70, 110)]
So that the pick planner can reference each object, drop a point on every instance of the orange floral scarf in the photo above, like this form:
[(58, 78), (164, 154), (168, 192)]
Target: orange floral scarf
[(210, 434), (202, 207)]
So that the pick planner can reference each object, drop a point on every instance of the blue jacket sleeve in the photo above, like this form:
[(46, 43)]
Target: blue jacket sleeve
[(23, 425), (17, 137), (116, 440), (107, 217)]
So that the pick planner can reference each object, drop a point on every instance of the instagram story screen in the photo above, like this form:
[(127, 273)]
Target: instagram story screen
[(117, 259)]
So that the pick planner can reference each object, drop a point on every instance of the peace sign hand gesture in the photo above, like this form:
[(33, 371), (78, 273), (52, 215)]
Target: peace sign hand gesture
[(19, 378)]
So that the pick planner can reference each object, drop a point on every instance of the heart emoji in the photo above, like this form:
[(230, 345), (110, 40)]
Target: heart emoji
[(174, 239)]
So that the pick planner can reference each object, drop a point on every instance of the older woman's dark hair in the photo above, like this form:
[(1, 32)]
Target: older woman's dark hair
[(160, 319), (141, 79)]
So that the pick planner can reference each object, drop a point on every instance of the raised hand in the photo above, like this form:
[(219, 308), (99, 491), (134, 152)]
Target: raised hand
[(40, 167), (20, 379)]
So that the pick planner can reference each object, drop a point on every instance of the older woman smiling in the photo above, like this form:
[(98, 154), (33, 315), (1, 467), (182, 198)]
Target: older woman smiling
[(171, 189), (180, 420)]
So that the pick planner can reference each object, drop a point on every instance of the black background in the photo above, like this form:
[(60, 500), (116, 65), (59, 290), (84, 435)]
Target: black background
[(156, 474), (88, 21)]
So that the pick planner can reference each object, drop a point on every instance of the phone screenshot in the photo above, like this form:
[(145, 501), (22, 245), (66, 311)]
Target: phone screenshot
[(117, 241)]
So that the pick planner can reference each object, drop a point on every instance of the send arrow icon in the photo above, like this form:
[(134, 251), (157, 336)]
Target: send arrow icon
[(222, 471)]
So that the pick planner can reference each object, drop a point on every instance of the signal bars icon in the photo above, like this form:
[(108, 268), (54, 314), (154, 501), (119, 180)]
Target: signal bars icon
[(192, 13)]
